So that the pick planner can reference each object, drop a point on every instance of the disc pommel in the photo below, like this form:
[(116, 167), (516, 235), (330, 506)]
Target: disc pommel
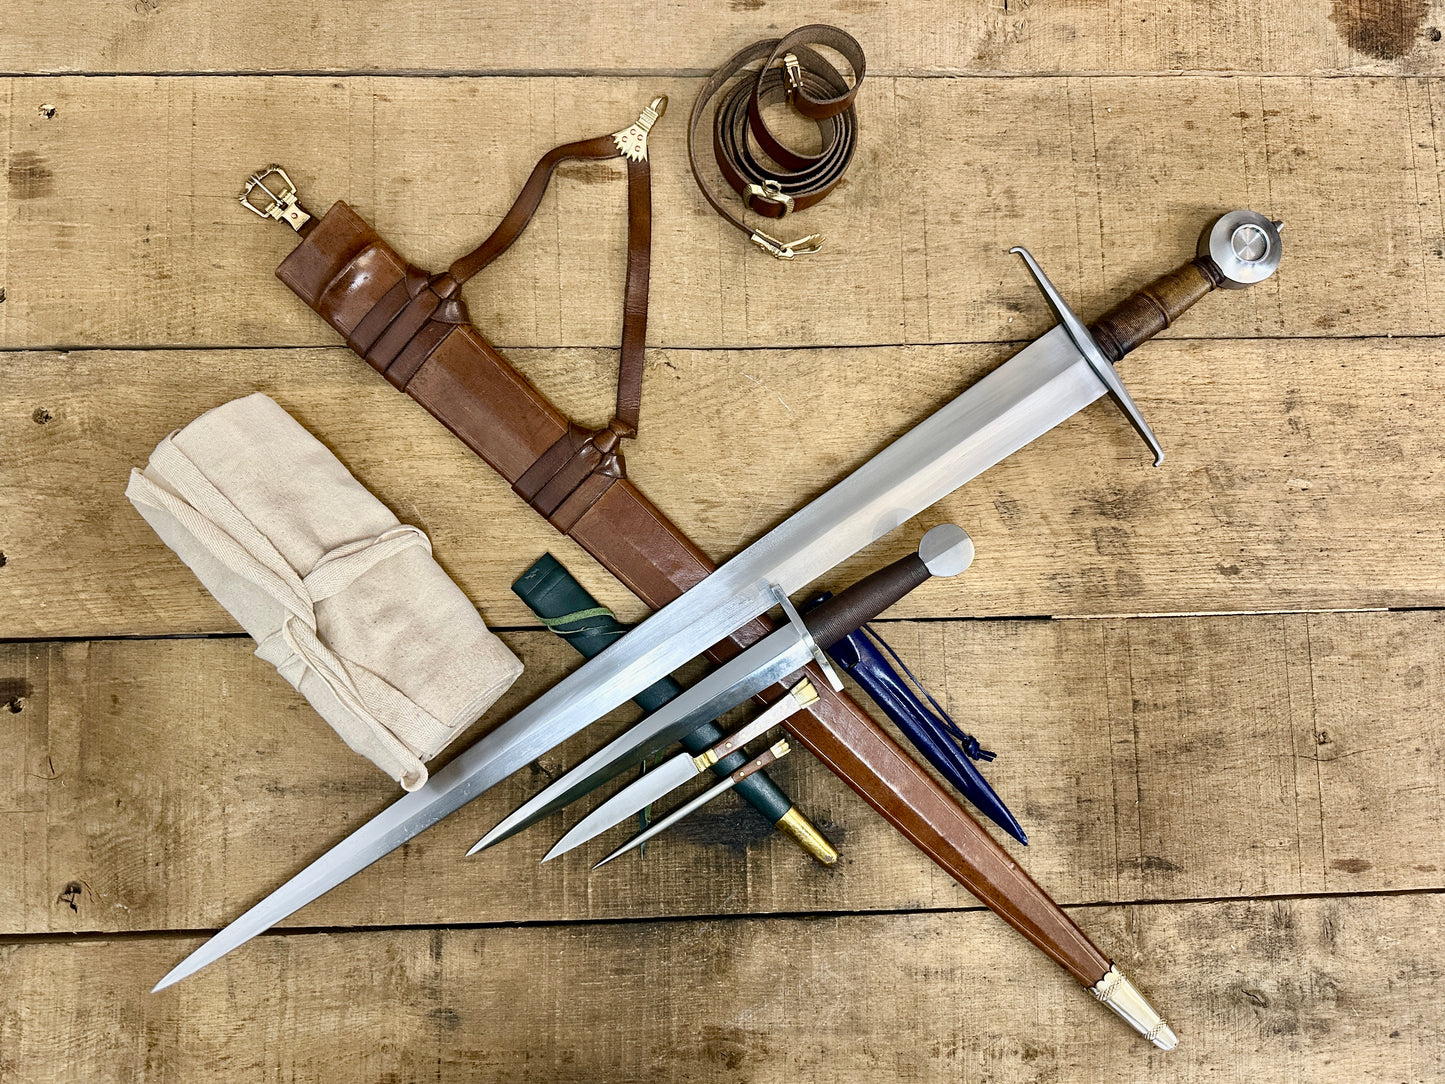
[(1244, 247)]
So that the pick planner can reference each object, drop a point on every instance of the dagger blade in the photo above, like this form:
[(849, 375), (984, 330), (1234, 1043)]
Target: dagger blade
[(672, 774), (1044, 384)]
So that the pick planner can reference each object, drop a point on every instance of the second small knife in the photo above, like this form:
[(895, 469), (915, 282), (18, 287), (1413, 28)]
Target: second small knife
[(678, 770)]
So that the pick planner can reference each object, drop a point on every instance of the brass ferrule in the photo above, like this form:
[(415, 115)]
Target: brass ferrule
[(807, 836)]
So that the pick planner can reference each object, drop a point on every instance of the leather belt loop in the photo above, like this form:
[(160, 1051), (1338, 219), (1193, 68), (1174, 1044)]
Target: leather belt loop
[(791, 180)]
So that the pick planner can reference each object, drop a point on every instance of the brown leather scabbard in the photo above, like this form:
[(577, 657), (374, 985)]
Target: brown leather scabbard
[(413, 328)]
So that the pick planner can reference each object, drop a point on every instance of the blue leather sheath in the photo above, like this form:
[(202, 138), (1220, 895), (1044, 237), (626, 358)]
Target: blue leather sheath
[(932, 732)]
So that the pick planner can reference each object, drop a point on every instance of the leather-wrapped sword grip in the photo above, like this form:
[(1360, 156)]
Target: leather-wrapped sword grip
[(830, 621), (1142, 315)]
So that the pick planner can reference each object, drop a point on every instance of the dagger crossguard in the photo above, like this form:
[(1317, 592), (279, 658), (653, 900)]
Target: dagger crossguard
[(1236, 250)]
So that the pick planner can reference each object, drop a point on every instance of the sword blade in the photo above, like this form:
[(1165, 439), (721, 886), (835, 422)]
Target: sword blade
[(765, 663), (1044, 384), (639, 794)]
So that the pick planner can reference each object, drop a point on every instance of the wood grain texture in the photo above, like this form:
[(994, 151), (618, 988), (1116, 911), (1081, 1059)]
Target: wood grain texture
[(1319, 990), (998, 36), (1301, 475), (121, 227), (168, 784)]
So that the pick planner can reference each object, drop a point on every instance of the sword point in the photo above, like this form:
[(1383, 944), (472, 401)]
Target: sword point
[(169, 980)]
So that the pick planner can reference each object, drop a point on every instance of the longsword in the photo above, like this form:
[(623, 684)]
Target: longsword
[(1043, 385)]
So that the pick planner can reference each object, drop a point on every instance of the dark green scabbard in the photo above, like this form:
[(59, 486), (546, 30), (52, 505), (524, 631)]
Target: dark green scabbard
[(566, 608)]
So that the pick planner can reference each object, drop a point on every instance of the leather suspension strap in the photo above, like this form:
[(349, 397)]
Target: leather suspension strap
[(639, 252), (780, 180)]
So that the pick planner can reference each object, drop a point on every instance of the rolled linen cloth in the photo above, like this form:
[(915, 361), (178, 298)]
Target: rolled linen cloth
[(341, 597)]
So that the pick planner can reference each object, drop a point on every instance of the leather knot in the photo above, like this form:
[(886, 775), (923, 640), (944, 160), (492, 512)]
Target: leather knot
[(573, 474)]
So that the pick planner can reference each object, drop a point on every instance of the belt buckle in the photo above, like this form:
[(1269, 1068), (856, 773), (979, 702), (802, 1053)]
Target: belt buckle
[(769, 192), (283, 206), (792, 74)]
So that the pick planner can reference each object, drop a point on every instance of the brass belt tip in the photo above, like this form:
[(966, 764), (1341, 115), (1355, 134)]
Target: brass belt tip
[(632, 141), (786, 250)]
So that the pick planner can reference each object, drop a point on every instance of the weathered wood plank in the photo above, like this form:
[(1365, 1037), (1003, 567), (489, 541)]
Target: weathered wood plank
[(1338, 991), (1300, 475), (120, 226), (999, 36), (166, 784)]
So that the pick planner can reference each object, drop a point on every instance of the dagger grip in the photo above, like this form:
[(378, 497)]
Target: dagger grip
[(830, 621), (1147, 312), (775, 752)]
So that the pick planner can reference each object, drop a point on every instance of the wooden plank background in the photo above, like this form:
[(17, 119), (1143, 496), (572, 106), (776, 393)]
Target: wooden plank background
[(1224, 745)]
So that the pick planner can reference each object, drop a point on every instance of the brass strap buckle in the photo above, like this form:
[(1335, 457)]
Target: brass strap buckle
[(786, 250), (769, 191), (283, 206), (792, 73)]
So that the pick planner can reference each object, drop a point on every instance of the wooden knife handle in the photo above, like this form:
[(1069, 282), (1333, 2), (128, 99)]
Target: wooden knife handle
[(1144, 314)]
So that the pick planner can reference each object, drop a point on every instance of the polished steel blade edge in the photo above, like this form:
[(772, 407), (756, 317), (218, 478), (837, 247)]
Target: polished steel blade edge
[(765, 663), (670, 775), (717, 790)]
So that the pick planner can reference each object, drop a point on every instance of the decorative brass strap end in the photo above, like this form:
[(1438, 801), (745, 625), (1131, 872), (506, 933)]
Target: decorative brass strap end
[(786, 250), (807, 836), (283, 206), (1121, 995), (632, 141)]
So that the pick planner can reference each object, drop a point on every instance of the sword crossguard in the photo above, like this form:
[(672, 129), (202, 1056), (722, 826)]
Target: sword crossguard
[(1092, 353)]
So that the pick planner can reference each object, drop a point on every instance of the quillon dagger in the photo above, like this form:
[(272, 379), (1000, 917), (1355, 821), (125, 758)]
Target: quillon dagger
[(774, 752), (946, 550), (668, 776), (1042, 385)]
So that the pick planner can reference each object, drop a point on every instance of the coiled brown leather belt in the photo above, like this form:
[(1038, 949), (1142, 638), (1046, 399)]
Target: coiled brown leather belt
[(792, 180)]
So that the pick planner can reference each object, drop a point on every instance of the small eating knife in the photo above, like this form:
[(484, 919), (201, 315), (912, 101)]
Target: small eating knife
[(777, 751), (678, 770)]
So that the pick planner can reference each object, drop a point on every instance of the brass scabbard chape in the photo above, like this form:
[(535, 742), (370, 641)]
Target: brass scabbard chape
[(807, 835)]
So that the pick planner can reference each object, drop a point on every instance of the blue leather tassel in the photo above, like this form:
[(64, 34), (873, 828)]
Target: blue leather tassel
[(932, 732)]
